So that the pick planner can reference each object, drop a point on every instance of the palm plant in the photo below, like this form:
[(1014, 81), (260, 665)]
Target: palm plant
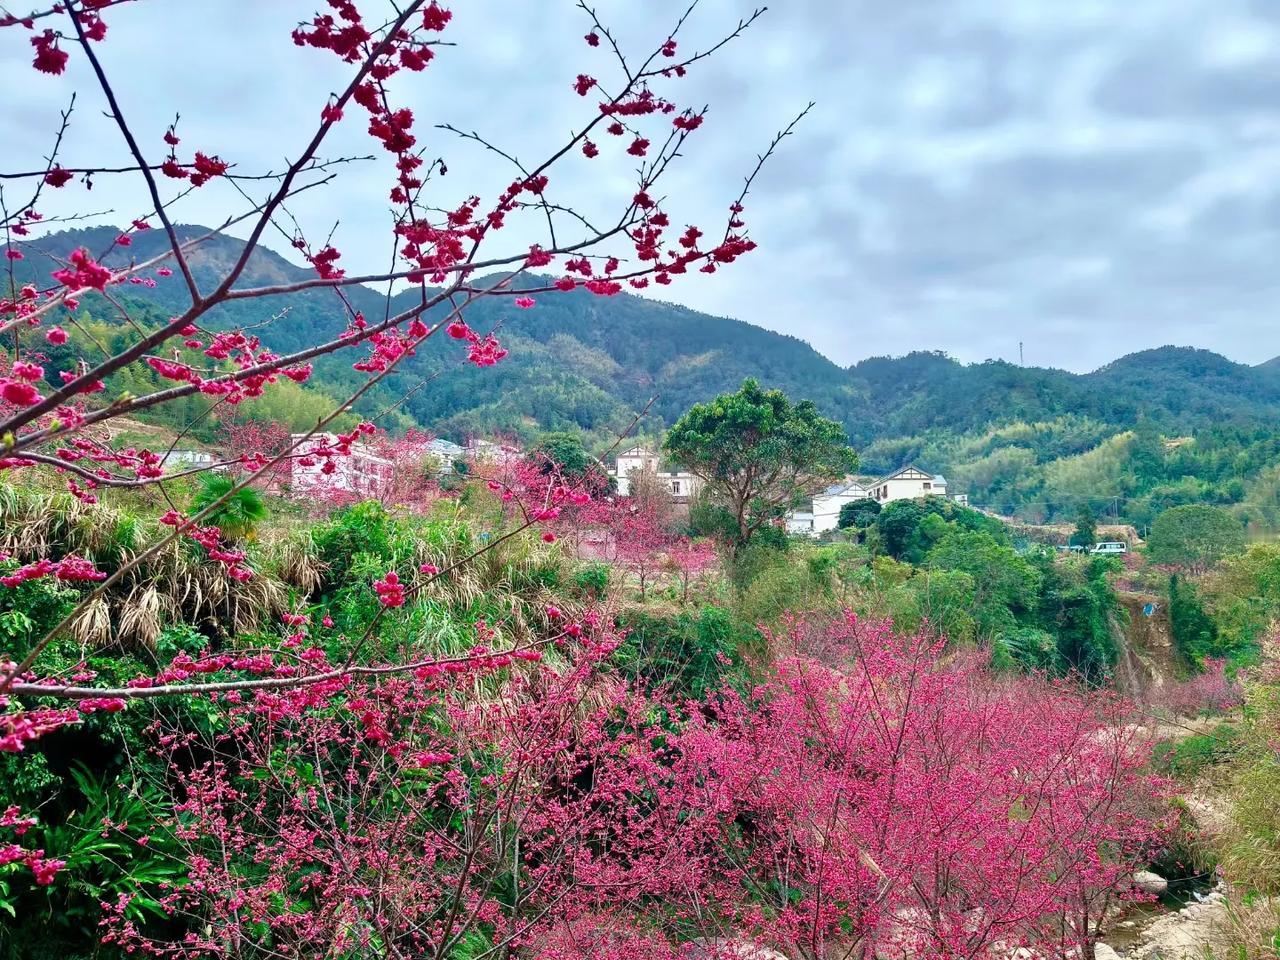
[(237, 514)]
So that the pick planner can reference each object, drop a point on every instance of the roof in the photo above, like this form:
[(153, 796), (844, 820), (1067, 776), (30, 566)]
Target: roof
[(637, 451), (844, 486), (940, 479), (439, 445), (909, 472)]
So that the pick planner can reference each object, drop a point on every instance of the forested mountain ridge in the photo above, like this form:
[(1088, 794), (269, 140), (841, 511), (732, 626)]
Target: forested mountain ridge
[(1028, 440)]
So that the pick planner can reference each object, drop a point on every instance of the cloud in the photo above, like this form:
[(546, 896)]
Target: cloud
[(1088, 177)]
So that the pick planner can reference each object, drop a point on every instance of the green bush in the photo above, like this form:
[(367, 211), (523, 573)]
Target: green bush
[(1191, 756), (592, 581), (690, 654)]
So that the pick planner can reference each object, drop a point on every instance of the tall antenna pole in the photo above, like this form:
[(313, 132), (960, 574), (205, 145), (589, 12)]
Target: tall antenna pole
[(1021, 362)]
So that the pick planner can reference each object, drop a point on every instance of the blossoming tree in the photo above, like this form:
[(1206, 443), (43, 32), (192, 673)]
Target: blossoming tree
[(56, 415)]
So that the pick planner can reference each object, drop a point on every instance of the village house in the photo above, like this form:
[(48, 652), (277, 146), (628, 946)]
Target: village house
[(908, 483), (178, 461), (681, 484), (825, 514), (363, 473), (445, 453)]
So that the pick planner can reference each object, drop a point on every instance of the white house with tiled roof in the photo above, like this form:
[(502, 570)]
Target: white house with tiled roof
[(681, 484), (907, 484), (827, 504)]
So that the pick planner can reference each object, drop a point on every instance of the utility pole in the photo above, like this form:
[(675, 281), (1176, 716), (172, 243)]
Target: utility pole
[(1021, 362)]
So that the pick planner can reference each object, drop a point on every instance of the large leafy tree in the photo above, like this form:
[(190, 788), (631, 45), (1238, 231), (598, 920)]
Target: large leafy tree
[(1195, 536), (758, 453)]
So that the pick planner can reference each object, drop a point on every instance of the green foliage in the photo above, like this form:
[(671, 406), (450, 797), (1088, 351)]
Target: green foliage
[(564, 451), (758, 453), (1195, 635), (1187, 758), (908, 529), (1005, 585), (1086, 531), (101, 838), (238, 514), (1195, 536), (592, 581), (1243, 597), (691, 654), (942, 599), (858, 514), (1027, 649), (1252, 853), (1079, 607)]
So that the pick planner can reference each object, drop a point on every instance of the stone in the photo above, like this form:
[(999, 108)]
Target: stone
[(1149, 882), (1104, 951)]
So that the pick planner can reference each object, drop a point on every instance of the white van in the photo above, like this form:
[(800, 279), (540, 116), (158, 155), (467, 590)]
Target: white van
[(1110, 547)]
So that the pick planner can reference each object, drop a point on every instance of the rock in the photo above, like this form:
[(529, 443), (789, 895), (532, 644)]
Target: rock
[(1149, 882), (1104, 951), (1128, 924)]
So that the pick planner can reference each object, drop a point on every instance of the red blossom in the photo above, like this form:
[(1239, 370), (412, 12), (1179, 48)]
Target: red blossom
[(50, 58)]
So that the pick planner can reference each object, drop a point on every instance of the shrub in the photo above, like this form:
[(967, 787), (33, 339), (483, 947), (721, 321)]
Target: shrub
[(1189, 757), (687, 653), (592, 581)]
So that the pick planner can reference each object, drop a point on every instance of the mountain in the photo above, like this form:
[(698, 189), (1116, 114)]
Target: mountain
[(1034, 441), (576, 360)]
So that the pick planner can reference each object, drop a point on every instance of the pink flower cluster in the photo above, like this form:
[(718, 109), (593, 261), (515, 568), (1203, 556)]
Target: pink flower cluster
[(70, 569)]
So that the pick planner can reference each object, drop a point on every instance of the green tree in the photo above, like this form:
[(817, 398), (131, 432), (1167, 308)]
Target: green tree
[(1086, 532), (759, 454), (1006, 586), (239, 513), (1194, 633), (858, 514), (1195, 536), (1079, 607)]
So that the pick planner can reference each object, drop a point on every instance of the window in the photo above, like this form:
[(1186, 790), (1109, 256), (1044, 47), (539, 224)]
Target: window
[(927, 485)]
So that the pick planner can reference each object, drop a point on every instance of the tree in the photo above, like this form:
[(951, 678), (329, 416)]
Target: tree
[(858, 514), (1195, 635), (690, 559), (875, 795), (1005, 585), (564, 455), (649, 494), (759, 454), (1086, 531), (1194, 536)]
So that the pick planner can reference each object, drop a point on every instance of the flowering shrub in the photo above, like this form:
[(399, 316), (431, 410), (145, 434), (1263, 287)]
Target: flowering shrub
[(1211, 691)]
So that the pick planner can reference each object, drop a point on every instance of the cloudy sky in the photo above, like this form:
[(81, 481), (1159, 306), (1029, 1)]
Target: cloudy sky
[(1088, 177)]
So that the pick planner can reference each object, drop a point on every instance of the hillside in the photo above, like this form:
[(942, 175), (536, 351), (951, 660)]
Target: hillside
[(1032, 441)]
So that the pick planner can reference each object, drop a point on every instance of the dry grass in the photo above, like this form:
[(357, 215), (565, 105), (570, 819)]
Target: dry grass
[(178, 584)]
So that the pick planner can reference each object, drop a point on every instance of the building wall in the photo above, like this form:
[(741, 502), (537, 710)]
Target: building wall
[(826, 508), (363, 473), (907, 489)]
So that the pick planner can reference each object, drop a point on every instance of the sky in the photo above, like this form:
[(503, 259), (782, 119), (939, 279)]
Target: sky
[(1083, 178)]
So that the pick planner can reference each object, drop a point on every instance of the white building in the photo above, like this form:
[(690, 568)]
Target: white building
[(907, 484), (825, 515), (681, 484), (178, 461), (800, 522), (445, 453), (491, 451), (362, 473)]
